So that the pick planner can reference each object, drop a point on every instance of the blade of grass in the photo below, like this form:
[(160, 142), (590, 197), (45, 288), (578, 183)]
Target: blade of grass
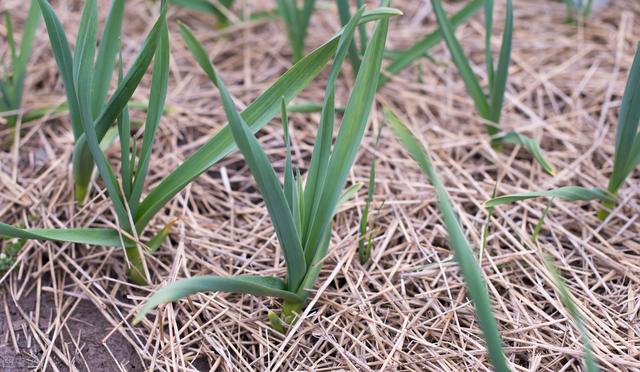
[(64, 61), (269, 187), (626, 156), (461, 61), (347, 142), (403, 59), (288, 167), (257, 286), (257, 115), (488, 31), (536, 230), (159, 85), (345, 16), (569, 193), (567, 301), (366, 240), (93, 236), (464, 254), (498, 81), (107, 52)]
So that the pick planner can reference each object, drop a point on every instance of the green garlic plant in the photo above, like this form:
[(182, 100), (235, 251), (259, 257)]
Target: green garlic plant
[(301, 212), (489, 106), (219, 8), (258, 114), (296, 20), (627, 154), (12, 79)]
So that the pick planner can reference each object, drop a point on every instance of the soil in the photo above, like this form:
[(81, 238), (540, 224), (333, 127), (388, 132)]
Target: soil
[(86, 329)]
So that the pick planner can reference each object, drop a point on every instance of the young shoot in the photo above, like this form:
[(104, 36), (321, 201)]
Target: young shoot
[(489, 106), (301, 211), (296, 20), (12, 78)]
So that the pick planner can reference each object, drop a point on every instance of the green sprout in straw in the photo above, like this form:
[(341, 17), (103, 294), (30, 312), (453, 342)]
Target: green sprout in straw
[(296, 20), (12, 80), (301, 213), (627, 155), (258, 114), (489, 106), (464, 255)]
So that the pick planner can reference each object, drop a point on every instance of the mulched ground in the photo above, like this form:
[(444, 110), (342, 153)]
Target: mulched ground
[(67, 307)]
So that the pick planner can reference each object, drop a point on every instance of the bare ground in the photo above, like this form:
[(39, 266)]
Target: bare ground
[(69, 307)]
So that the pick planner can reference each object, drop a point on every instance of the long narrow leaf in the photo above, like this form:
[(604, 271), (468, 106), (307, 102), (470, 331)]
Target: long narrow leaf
[(64, 61), (257, 286), (569, 193), (93, 236), (269, 187), (471, 271), (488, 31), (461, 61), (159, 84), (348, 140), (499, 80), (322, 148), (626, 157), (257, 115), (107, 52), (567, 301)]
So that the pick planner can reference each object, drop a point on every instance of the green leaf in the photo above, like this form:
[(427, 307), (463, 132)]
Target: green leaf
[(257, 115), (465, 256), (107, 52), (364, 243), (82, 158), (405, 58), (488, 31), (461, 61), (269, 187), (567, 301), (64, 60), (93, 236), (627, 142), (85, 49), (345, 16), (498, 84), (257, 286), (159, 85), (289, 191), (348, 140), (531, 145), (319, 166), (569, 193)]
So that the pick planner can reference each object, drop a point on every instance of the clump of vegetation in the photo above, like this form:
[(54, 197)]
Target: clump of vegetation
[(296, 20), (627, 155), (12, 80), (300, 212), (489, 106)]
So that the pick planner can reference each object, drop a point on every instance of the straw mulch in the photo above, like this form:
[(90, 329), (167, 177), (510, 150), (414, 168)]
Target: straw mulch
[(67, 307)]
